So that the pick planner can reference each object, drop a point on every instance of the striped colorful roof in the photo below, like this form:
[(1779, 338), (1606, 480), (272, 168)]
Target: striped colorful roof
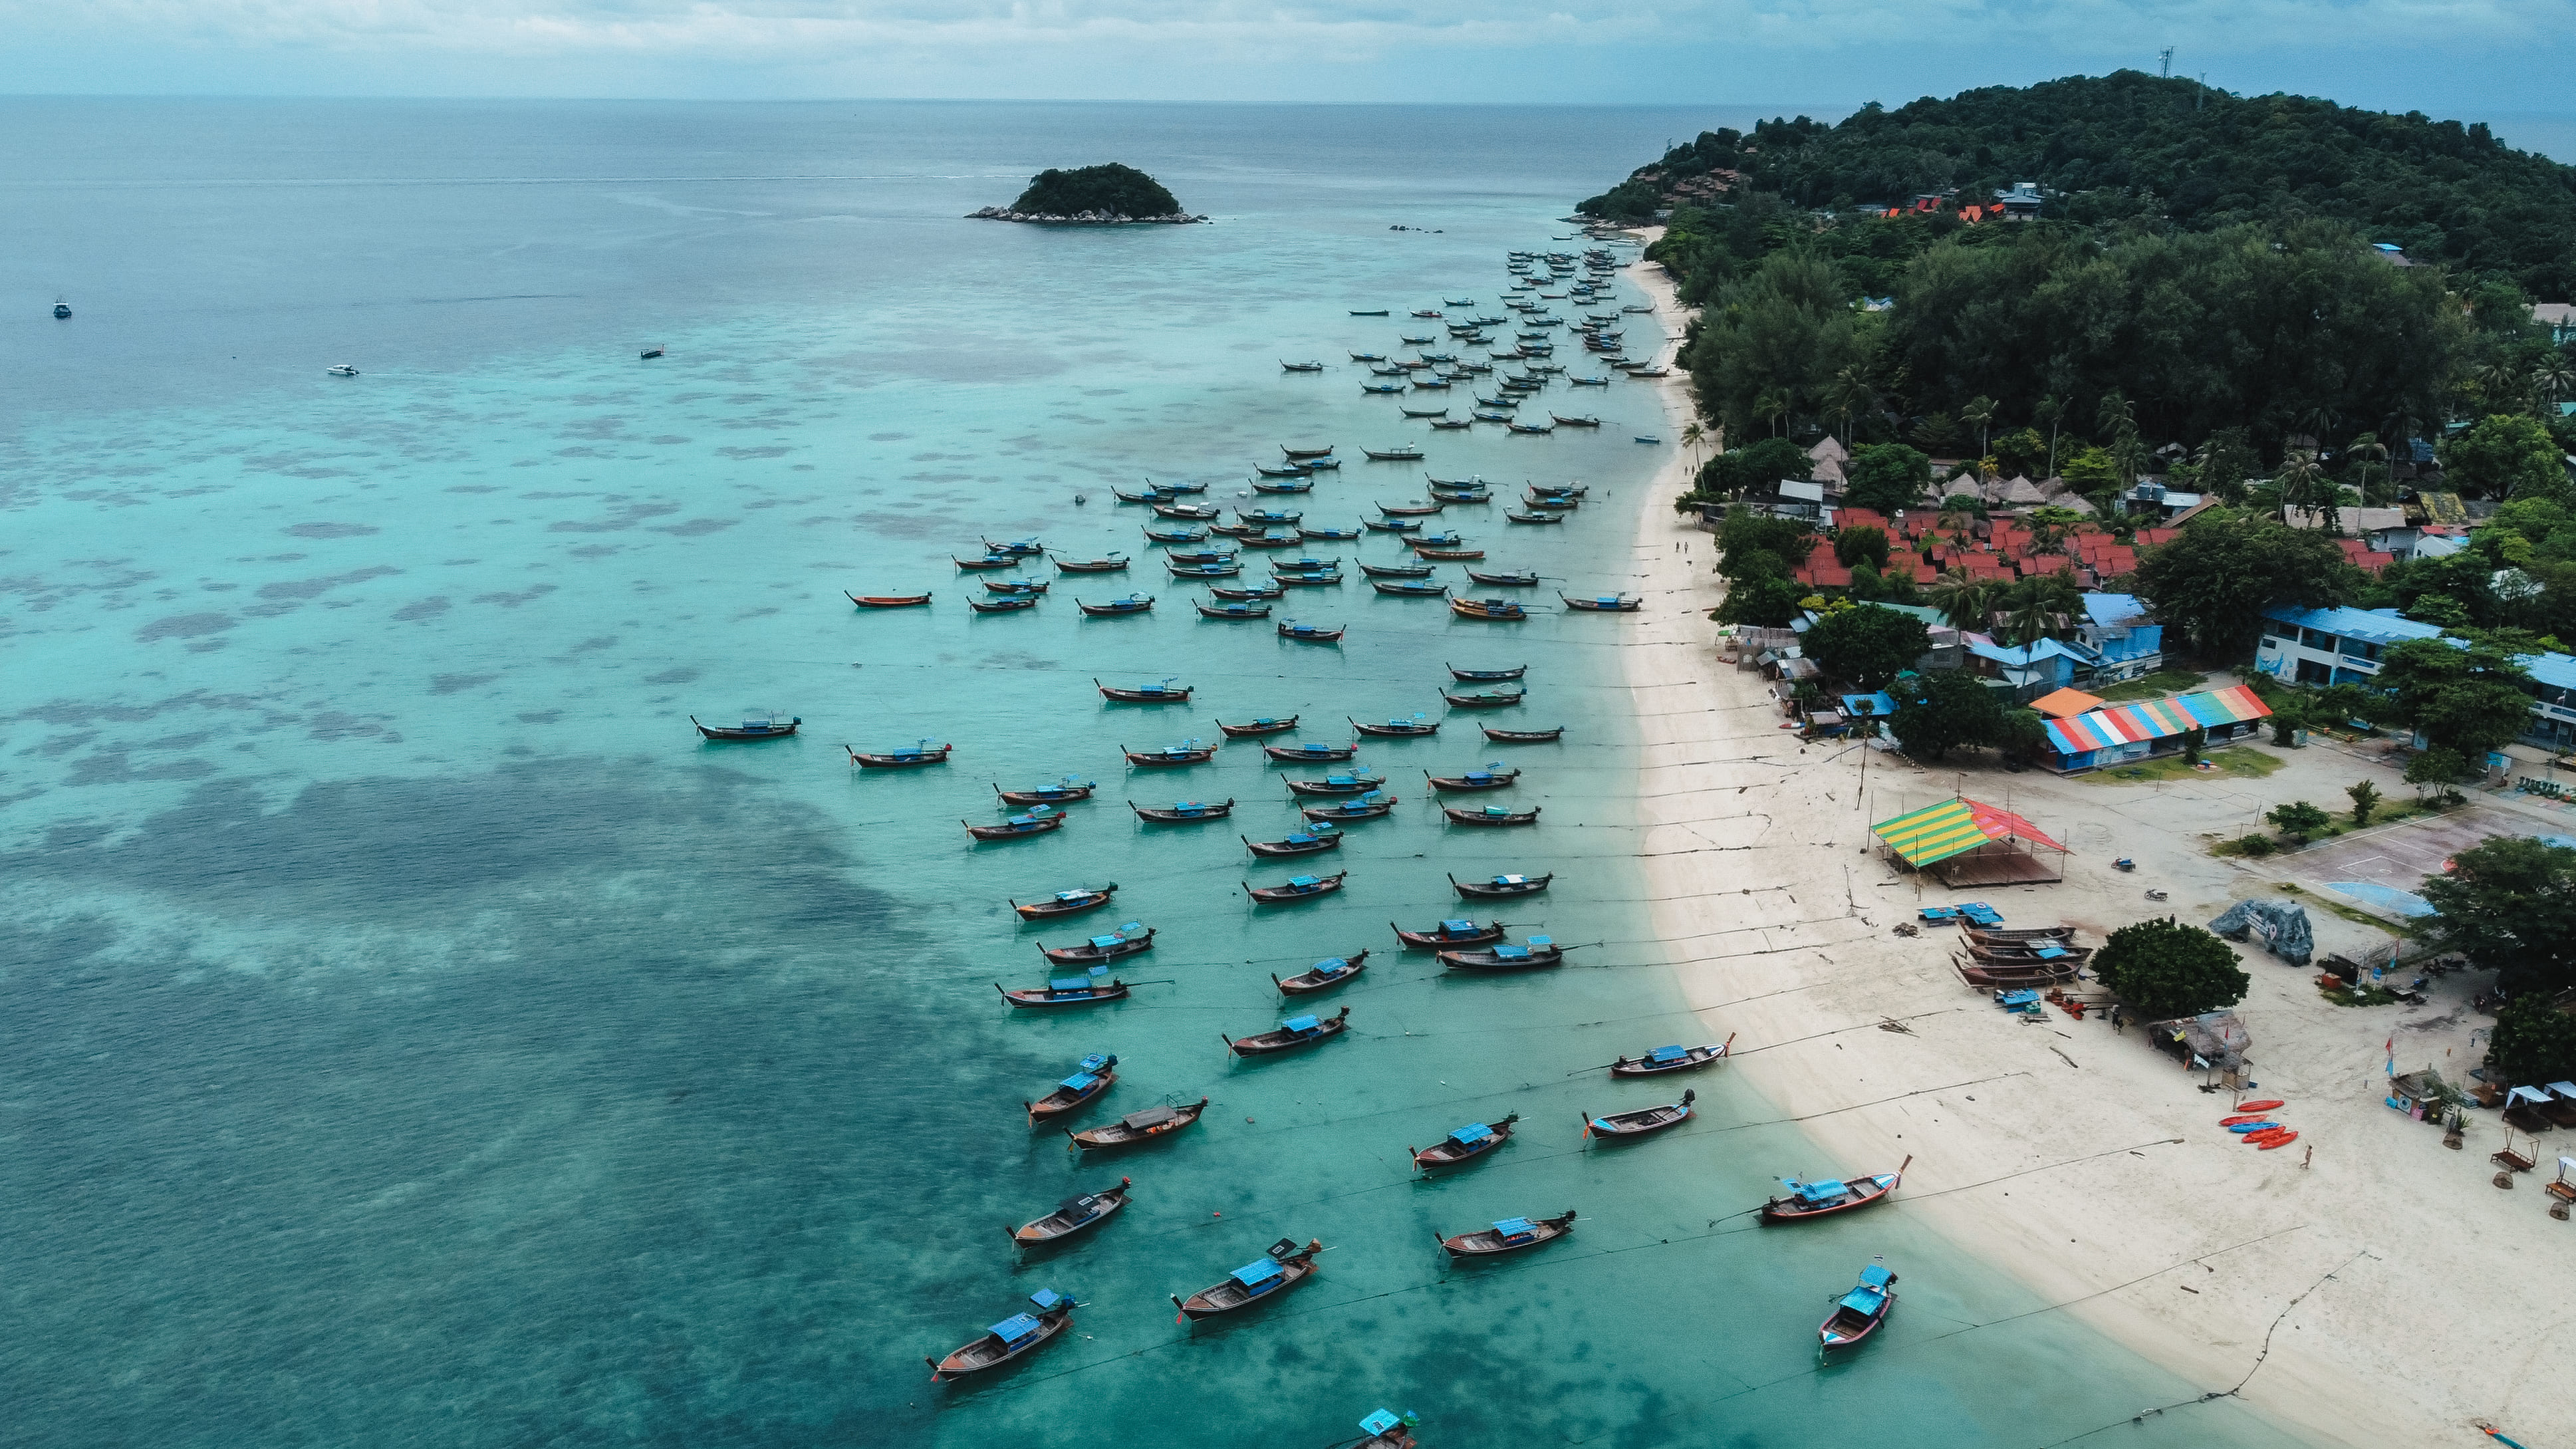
[(2156, 719), (1952, 827)]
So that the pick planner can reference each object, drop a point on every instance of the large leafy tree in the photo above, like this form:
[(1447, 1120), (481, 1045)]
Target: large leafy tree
[(2214, 582), (2468, 695), (1771, 342), (1867, 645), (1945, 710), (2534, 1042), (1887, 477), (1754, 468), (2503, 456), (2163, 970), (2510, 903)]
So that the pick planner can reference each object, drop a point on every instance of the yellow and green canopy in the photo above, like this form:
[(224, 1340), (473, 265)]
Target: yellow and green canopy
[(1954, 827)]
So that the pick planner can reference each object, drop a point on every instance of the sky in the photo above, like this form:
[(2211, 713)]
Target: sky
[(2470, 59)]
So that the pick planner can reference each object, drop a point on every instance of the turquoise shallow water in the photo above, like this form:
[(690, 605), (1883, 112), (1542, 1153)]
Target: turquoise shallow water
[(412, 1034)]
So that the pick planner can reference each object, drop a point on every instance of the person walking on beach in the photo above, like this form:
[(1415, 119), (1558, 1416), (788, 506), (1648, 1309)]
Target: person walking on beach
[(2308, 1156)]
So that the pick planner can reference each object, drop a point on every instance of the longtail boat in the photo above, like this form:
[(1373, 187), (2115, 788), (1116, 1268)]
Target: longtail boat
[(1525, 579), (1254, 729), (996, 561), (1295, 1032), (1009, 588), (1290, 470), (1062, 791), (1485, 699), (1352, 784), (1066, 991), (1396, 571), (1509, 1236), (1998, 934), (1302, 842), (1183, 812), (1300, 753), (1386, 1429), (1153, 494), (1115, 563), (1672, 1059), (1319, 465), (1231, 611), (1297, 888), (1328, 535), (1018, 548), (760, 727), (1132, 604), (1448, 933), (1138, 1127), (1065, 903), (1447, 555), (1370, 806), (1539, 428), (1268, 516), (1177, 535), (1823, 1199), (1006, 1340), (924, 753), (1299, 579), (1071, 1216), (1539, 953), (1397, 728), (1284, 1267), (1038, 821), (1500, 610), (1392, 525), (1463, 495), (1188, 512), (1410, 588), (1164, 693), (1858, 1314), (1303, 482), (1249, 592), (1519, 517), (1091, 1077), (1187, 752), (1006, 605), (1501, 886), (1310, 633), (1324, 452), (1492, 777), (2028, 953), (1411, 508), (1406, 452), (1203, 571), (1644, 1121), (1330, 972), (1491, 815), (1465, 1144), (1486, 676), (2011, 978), (1301, 367), (1524, 737), (1127, 940), (886, 601), (1603, 603)]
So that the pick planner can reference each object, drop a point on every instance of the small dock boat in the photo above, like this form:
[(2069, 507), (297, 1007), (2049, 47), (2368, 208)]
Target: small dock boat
[(1494, 610), (1091, 1077), (1446, 554), (1008, 1339), (1016, 548), (1351, 784), (1536, 954), (1065, 903), (1064, 790), (1115, 563), (1305, 579), (337, 369), (1486, 676), (1509, 1236), (1038, 821), (1484, 699), (1396, 571), (1297, 888), (1182, 812), (1385, 1429), (1392, 525), (1301, 842), (1411, 588), (1501, 887), (1518, 517), (1303, 753), (1397, 728), (1187, 512), (909, 757), (1465, 1144), (1643, 1122), (1806, 1200), (1672, 1059), (1523, 737), (1491, 815), (1858, 1314), (1370, 806), (1329, 535), (1448, 933), (1187, 752), (1006, 605), (1302, 484), (1165, 692), (1295, 1032), (1177, 535), (1014, 587), (1203, 571), (1306, 453), (1071, 1216), (1128, 940), (1138, 1127), (1604, 603), (1078, 990), (1525, 579), (754, 727), (1414, 508), (1309, 633), (886, 601), (1492, 777), (1330, 972), (1254, 729), (1221, 610), (1301, 367), (1586, 421), (1284, 1267)]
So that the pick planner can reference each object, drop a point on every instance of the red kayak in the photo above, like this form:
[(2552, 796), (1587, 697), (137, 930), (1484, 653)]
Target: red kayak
[(2240, 1121), (2277, 1139), (2266, 1105)]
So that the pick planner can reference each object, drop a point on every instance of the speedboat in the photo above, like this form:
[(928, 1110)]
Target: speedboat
[(341, 369)]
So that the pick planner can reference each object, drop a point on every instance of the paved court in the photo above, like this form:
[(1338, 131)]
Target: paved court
[(2400, 858)]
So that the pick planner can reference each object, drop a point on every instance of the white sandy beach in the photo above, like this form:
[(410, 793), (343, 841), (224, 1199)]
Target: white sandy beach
[(2385, 1296)]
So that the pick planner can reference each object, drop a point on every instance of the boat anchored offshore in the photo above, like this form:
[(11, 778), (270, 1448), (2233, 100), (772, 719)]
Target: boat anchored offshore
[(1091, 1077), (1295, 1032), (1496, 887), (1065, 903), (1858, 1314), (1138, 1127), (755, 727), (1672, 1059), (1509, 1236), (1465, 1144), (1284, 1267), (1629, 1126), (1071, 1216), (1330, 972), (1008, 1339), (1823, 1199)]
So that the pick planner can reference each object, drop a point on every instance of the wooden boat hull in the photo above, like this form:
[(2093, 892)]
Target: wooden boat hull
[(1290, 895), (1468, 784), (1271, 1043), (1348, 812), (1232, 611), (989, 1352), (1396, 571), (1179, 817), (733, 733), (1257, 729), (1481, 701), (1486, 676), (1303, 635), (1092, 566), (1249, 594), (1309, 754), (1595, 606), (1533, 517), (1177, 695), (1487, 890), (1433, 940), (1013, 832), (1090, 955), (1985, 980), (1039, 1232), (886, 601), (906, 761), (1410, 510), (1524, 737), (1394, 731), (1168, 759), (1705, 1055), (1504, 581), (1450, 555), (1052, 910), (1447, 1153), (1410, 590), (1488, 961), (1059, 796), (1119, 1134), (1867, 1192), (1042, 998), (1009, 605), (1309, 981), (1066, 1099), (1232, 1297), (1486, 1243), (1640, 1124), (1475, 609), (1479, 817), (1102, 611), (1275, 849), (981, 565), (1330, 787)]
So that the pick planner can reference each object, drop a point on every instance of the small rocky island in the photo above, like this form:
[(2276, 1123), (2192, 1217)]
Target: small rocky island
[(1107, 195)]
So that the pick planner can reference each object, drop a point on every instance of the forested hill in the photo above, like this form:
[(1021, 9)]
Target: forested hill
[(2130, 145)]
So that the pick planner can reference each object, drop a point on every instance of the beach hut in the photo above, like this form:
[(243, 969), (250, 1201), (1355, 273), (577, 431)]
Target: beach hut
[(2211, 1042), (2094, 738), (1967, 843)]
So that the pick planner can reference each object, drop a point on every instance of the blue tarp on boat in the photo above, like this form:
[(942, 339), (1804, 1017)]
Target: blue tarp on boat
[(1257, 1272), (1471, 1134)]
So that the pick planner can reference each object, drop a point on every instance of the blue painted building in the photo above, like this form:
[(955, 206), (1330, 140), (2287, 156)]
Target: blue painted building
[(2347, 646)]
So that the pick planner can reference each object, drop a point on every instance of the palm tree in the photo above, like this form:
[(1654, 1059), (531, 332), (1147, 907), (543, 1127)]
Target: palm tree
[(1852, 394), (1692, 436), (2039, 607), (2115, 414), (1962, 600), (1773, 405), (1980, 412), (2502, 385), (2049, 414), (2300, 480), (2365, 450), (2129, 455), (2553, 376)]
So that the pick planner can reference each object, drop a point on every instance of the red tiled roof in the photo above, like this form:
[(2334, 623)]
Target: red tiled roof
[(1827, 575), (2116, 561), (2149, 537)]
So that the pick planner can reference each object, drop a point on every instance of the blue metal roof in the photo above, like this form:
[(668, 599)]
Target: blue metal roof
[(2113, 608), (2370, 626), (2557, 671)]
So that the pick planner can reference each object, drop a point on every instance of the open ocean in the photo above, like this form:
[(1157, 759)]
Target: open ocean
[(410, 1034)]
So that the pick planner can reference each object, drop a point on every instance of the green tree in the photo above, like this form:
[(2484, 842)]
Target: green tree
[(1887, 477), (1867, 646), (1962, 599), (2213, 583), (1774, 339), (2441, 767), (2503, 456), (2164, 970), (2042, 606), (1754, 547), (1859, 544), (2468, 695), (2302, 481), (2533, 1043), (2365, 800), (1771, 603), (1945, 710), (1979, 413), (1755, 468), (2510, 903), (2298, 820), (2194, 740)]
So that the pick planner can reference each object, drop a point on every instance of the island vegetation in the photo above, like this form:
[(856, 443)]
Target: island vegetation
[(1108, 193)]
